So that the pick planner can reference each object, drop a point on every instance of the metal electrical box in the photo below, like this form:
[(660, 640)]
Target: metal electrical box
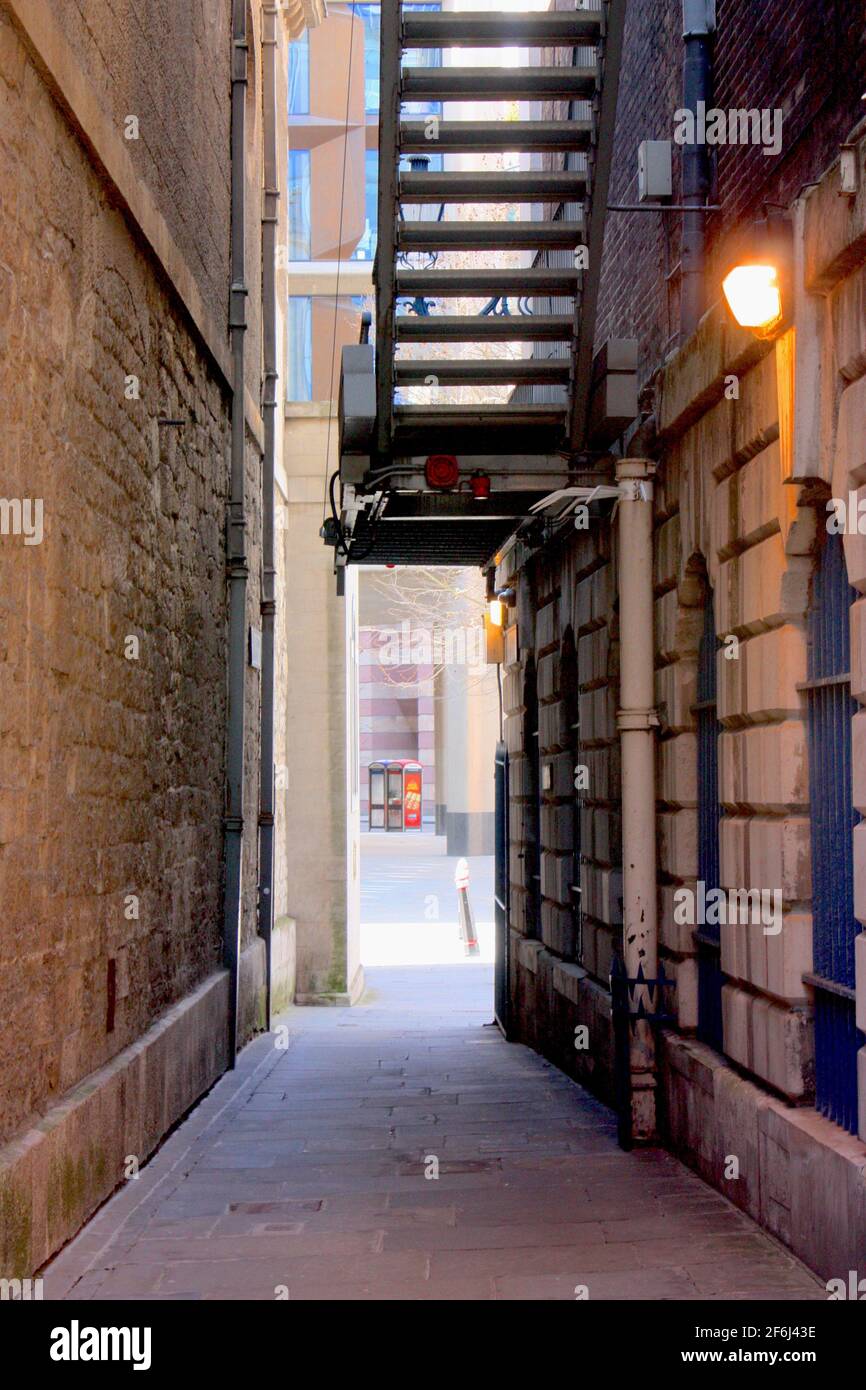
[(654, 174)]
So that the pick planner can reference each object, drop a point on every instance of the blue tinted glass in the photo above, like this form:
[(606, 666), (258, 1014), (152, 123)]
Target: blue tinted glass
[(299, 77), (300, 349), (422, 57), (299, 205), (370, 15), (366, 248)]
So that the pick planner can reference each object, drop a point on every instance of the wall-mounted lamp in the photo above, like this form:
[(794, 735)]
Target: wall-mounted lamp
[(505, 598), (757, 286)]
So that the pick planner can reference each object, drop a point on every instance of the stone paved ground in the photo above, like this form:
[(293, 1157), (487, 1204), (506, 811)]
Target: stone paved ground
[(304, 1172), (400, 874), (409, 905)]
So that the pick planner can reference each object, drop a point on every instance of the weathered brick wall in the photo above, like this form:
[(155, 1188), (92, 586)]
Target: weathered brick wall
[(807, 57), (639, 295), (112, 769)]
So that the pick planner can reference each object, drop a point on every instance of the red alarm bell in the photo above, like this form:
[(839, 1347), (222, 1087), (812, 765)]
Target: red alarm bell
[(442, 471)]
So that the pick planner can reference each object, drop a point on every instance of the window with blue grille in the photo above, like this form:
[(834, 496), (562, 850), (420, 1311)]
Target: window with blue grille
[(708, 935), (829, 710), (532, 802), (569, 689)]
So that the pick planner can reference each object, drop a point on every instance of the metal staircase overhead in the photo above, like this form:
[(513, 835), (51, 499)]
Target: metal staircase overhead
[(542, 432)]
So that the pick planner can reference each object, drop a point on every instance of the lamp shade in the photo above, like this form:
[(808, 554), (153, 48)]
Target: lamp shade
[(757, 285), (754, 296)]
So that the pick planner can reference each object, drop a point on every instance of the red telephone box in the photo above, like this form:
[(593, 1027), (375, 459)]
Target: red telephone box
[(394, 795), (396, 786), (376, 813), (413, 776)]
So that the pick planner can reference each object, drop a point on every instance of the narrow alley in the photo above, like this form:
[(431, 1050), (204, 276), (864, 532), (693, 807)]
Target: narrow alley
[(307, 1173), (432, 677)]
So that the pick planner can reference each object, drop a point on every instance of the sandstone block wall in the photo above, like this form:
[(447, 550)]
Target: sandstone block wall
[(564, 786), (116, 418), (754, 437)]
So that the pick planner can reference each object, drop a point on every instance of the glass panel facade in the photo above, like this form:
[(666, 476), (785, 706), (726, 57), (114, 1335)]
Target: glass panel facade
[(299, 386), (366, 248), (299, 205), (422, 58), (319, 327), (414, 57), (299, 76)]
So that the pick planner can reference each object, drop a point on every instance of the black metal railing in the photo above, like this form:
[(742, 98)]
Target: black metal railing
[(834, 927), (708, 938)]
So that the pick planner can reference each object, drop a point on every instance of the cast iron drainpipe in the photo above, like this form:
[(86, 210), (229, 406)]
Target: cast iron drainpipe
[(269, 408), (637, 720), (236, 535), (698, 25)]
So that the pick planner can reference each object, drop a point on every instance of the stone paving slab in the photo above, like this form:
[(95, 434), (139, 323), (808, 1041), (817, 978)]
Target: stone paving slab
[(309, 1170)]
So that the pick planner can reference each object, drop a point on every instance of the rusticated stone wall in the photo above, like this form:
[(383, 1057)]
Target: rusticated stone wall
[(753, 438)]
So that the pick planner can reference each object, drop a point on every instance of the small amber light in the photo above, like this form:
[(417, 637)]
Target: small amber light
[(754, 296), (497, 612)]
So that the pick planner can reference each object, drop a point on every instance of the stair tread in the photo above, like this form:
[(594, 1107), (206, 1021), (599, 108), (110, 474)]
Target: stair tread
[(489, 83), (501, 327), (482, 29), (467, 136)]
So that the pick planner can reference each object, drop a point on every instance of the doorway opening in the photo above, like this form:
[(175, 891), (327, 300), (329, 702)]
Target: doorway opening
[(428, 729)]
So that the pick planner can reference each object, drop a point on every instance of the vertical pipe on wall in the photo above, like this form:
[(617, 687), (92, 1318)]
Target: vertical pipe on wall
[(236, 534), (636, 721), (698, 25), (269, 408)]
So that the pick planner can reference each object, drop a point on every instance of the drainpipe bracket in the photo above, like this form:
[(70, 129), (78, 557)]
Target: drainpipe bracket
[(635, 490), (270, 378), (636, 720), (236, 550), (240, 50), (636, 468), (699, 18), (238, 306)]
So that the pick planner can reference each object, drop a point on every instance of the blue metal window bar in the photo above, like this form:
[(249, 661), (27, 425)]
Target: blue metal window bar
[(708, 935), (829, 712), (531, 853), (569, 687)]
